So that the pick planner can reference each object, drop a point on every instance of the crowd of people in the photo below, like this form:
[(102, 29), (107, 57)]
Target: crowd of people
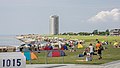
[(97, 49), (93, 50), (71, 45), (54, 44)]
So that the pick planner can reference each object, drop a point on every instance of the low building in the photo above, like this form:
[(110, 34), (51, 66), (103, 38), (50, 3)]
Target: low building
[(115, 32)]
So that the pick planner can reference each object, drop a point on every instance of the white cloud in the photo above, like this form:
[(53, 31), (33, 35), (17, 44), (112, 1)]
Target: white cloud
[(107, 16)]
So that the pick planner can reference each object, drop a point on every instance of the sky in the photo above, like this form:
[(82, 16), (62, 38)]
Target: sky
[(32, 16)]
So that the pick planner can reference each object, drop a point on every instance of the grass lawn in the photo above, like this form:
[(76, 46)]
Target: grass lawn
[(110, 54)]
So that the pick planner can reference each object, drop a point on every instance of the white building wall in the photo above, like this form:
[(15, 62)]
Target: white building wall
[(54, 24)]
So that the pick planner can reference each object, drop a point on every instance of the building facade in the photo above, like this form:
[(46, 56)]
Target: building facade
[(54, 25), (115, 32)]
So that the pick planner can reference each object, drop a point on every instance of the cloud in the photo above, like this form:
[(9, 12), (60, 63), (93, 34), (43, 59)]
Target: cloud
[(106, 16)]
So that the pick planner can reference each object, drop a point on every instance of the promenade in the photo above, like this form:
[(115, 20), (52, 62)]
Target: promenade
[(114, 64)]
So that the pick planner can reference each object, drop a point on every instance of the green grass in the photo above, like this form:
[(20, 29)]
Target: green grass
[(109, 55)]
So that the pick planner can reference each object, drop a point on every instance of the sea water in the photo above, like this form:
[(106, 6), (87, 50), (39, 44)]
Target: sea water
[(9, 41)]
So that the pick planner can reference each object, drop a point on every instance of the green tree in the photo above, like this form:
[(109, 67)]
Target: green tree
[(107, 32), (95, 32), (102, 33)]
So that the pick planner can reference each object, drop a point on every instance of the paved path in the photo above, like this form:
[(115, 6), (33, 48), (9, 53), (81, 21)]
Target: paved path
[(115, 64)]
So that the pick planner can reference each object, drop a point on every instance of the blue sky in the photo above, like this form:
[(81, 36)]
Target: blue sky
[(32, 16)]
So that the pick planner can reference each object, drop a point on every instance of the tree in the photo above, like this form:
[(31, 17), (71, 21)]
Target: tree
[(107, 32), (95, 32), (102, 33), (64, 34)]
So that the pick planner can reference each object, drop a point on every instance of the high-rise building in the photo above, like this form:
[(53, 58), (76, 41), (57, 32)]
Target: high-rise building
[(54, 25)]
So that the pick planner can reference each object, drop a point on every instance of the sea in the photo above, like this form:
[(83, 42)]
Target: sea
[(9, 40)]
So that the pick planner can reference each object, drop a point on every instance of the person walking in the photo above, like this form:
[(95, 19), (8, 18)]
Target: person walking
[(99, 49)]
